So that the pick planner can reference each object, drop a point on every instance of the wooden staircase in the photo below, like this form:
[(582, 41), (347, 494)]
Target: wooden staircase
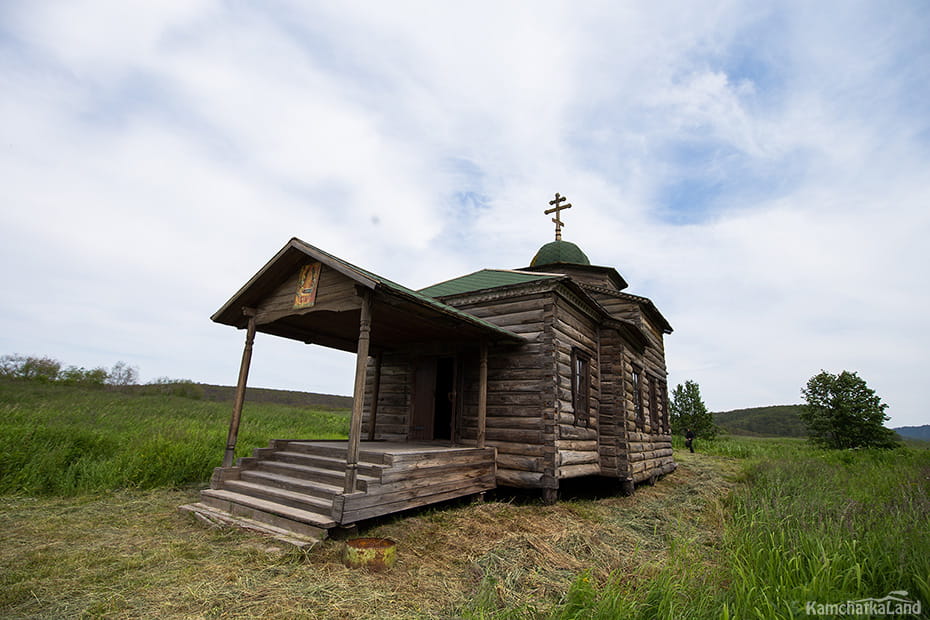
[(293, 490)]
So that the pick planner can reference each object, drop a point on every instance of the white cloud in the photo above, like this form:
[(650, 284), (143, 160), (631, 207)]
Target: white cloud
[(757, 169)]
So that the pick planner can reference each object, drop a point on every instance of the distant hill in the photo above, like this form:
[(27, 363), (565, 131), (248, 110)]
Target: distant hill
[(227, 393), (281, 397), (773, 421), (914, 432)]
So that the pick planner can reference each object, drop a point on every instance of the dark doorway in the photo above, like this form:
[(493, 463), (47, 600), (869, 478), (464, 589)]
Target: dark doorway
[(434, 399), (445, 398)]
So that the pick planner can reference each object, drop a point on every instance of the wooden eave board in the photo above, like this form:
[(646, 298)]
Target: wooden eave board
[(610, 272), (647, 306), (630, 331)]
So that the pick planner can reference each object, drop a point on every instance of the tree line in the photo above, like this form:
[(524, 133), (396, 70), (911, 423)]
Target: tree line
[(49, 370), (841, 412)]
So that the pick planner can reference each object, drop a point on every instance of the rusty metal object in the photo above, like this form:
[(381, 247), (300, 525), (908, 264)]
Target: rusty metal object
[(376, 554)]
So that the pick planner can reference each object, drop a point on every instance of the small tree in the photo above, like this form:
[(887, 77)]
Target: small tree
[(687, 410), (123, 374), (29, 367), (843, 412)]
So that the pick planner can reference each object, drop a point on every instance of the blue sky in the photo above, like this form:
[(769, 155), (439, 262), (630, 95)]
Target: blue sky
[(758, 169)]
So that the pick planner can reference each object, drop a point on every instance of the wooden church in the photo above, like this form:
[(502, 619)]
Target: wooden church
[(502, 377)]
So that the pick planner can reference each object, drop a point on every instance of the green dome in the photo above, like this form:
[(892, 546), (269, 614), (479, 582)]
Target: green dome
[(559, 252)]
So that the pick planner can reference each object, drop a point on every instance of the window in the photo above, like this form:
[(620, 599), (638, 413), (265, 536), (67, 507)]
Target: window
[(653, 407), (581, 383), (638, 398), (663, 400)]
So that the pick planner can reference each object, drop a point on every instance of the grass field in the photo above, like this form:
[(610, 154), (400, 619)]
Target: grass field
[(66, 440), (746, 528)]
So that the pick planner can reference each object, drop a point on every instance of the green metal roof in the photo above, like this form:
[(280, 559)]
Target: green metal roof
[(484, 279), (560, 252)]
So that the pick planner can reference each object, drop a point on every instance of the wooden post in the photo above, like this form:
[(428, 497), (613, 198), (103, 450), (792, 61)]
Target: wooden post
[(482, 393), (230, 455), (358, 393), (374, 398)]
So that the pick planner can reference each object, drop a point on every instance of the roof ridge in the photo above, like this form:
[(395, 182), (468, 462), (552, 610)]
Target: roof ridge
[(527, 272)]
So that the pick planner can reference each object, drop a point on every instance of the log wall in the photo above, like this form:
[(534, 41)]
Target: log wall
[(394, 398), (575, 329), (648, 442), (521, 404), (531, 418), (613, 448)]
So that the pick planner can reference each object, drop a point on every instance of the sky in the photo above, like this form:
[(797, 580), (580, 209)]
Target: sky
[(760, 170)]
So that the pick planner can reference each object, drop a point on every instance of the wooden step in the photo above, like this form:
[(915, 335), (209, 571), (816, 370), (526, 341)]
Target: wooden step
[(323, 462), (319, 490), (281, 496), (311, 473), (303, 522), (217, 518), (372, 456)]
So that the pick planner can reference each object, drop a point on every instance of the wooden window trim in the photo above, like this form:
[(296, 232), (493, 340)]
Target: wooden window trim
[(654, 420), (663, 397), (636, 377), (581, 386)]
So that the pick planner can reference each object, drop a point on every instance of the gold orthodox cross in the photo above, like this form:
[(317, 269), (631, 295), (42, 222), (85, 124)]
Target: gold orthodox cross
[(558, 206)]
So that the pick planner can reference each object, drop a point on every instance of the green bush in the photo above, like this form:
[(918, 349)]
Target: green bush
[(164, 386)]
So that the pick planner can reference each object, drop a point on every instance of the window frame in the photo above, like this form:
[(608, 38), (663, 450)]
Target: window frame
[(636, 378), (581, 386), (654, 421)]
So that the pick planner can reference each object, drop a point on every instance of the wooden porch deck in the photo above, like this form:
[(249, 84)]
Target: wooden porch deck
[(294, 489)]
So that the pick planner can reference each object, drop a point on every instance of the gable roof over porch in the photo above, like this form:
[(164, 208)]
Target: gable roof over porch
[(401, 316)]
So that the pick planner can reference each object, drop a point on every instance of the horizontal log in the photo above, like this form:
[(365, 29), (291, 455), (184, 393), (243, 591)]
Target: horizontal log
[(527, 385), (575, 444), (478, 486), (506, 447), (520, 479), (575, 471), (459, 456), (392, 475), (492, 309), (515, 398), (576, 457), (520, 462), (576, 432), (520, 411), (535, 373), (515, 435), (413, 488), (524, 422)]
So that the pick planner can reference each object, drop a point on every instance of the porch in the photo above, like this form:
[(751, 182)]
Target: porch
[(294, 489)]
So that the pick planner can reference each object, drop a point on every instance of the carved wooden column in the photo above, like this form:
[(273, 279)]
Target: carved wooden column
[(230, 455), (482, 393), (358, 393)]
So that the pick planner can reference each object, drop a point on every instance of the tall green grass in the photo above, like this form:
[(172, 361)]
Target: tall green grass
[(831, 527), (803, 525), (67, 440)]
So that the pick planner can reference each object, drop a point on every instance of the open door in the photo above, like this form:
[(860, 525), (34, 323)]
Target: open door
[(434, 399)]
